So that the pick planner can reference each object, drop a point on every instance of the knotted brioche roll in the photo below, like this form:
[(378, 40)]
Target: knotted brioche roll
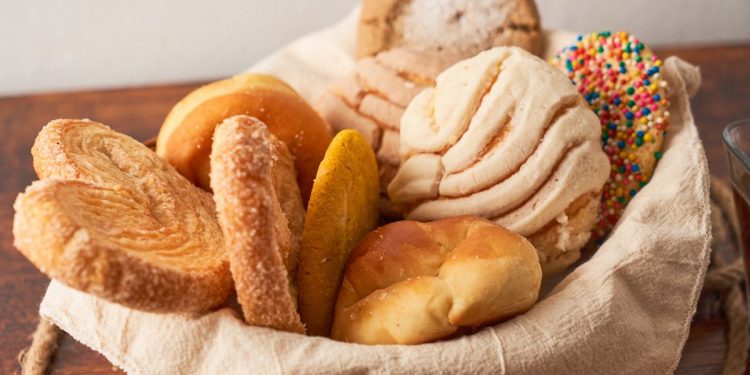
[(505, 136), (410, 282), (261, 215), (372, 99), (111, 218)]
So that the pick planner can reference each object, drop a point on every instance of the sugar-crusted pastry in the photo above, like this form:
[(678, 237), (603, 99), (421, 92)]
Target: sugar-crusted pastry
[(260, 211), (372, 99), (410, 282), (110, 218), (343, 208), (620, 80), (457, 28), (505, 136), (185, 137)]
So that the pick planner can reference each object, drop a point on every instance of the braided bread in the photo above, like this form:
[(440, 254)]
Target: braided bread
[(505, 136), (110, 218), (410, 282)]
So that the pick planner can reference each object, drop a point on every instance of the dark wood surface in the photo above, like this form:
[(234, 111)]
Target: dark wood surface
[(724, 97)]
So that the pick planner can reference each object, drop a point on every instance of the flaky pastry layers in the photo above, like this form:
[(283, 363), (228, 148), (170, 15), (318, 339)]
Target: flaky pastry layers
[(372, 99), (505, 136), (110, 218), (261, 215), (410, 282)]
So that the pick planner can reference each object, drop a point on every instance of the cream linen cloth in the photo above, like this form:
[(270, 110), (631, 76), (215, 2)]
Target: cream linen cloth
[(625, 310)]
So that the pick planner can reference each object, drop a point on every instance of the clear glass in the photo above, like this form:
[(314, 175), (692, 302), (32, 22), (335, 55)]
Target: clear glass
[(737, 142)]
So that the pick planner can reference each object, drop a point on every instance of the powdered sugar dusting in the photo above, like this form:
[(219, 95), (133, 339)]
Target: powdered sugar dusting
[(461, 24)]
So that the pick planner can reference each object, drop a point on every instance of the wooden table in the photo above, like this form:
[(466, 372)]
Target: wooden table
[(724, 97)]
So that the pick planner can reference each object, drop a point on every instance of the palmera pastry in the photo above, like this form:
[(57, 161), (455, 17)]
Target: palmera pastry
[(372, 99), (343, 208), (110, 218), (505, 136), (457, 28), (410, 282), (185, 137), (619, 78), (261, 215)]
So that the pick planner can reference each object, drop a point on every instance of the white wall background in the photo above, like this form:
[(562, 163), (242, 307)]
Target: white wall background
[(52, 45)]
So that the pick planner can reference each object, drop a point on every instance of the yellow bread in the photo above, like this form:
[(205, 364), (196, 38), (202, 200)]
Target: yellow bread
[(343, 208), (410, 282), (185, 137), (110, 218)]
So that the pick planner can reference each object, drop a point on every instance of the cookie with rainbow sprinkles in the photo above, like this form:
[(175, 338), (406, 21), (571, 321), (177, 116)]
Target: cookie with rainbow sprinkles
[(620, 79)]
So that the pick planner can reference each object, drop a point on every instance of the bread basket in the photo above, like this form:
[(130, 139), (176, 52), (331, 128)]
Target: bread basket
[(626, 309)]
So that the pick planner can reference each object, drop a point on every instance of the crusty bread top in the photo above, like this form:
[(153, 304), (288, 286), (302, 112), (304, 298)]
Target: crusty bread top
[(455, 28), (258, 202), (112, 219)]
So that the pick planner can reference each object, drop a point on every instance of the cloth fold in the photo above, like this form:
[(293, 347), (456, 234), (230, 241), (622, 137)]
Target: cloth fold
[(625, 310)]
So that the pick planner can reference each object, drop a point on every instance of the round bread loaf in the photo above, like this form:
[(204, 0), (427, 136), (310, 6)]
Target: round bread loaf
[(372, 99), (505, 136), (456, 28), (410, 282), (185, 137)]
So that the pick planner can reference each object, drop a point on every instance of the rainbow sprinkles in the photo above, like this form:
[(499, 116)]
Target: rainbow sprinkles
[(620, 80)]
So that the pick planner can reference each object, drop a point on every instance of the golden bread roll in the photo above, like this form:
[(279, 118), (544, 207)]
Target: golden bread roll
[(372, 99), (185, 137), (505, 136), (260, 211), (110, 218), (343, 208), (458, 28), (410, 282)]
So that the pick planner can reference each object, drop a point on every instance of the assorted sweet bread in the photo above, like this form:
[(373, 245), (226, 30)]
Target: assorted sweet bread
[(410, 282), (372, 99), (619, 78), (456, 28), (109, 217), (503, 164), (343, 208), (505, 136), (260, 211), (185, 137)]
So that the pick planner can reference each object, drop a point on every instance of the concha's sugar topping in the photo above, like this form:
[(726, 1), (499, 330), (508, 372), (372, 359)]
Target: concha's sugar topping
[(502, 135)]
